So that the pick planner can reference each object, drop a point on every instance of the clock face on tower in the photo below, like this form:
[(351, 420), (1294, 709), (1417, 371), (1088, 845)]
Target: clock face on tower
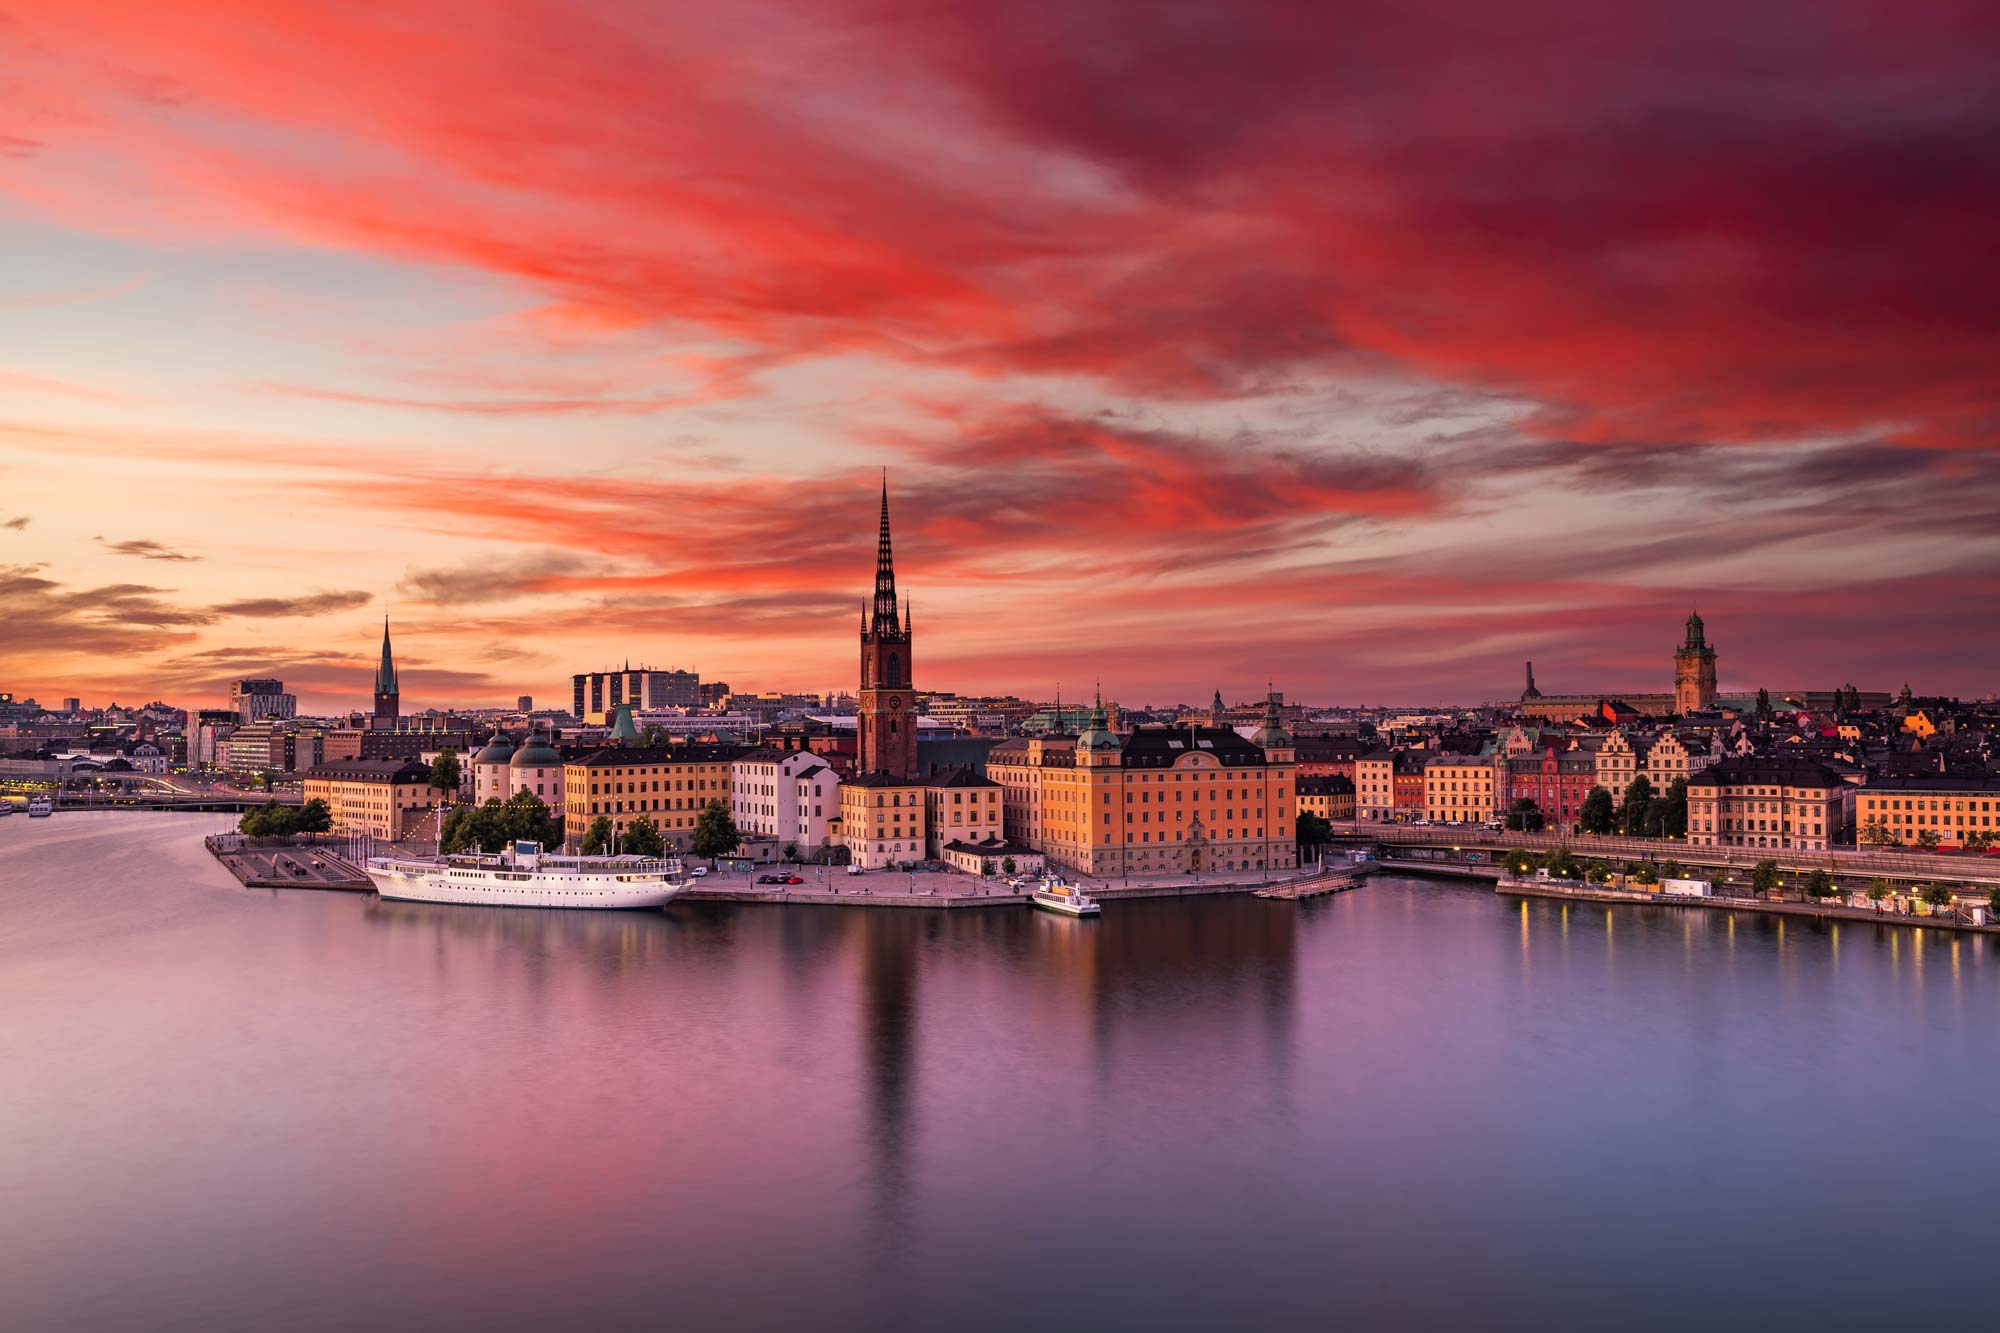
[(896, 702)]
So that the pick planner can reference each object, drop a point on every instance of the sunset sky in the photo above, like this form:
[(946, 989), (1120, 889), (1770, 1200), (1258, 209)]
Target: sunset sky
[(1371, 349)]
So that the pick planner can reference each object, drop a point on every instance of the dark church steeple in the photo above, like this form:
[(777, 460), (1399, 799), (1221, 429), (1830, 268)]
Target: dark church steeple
[(388, 693), (886, 740)]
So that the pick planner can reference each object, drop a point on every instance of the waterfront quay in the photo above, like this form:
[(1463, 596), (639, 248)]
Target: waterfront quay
[(1574, 891), (269, 863)]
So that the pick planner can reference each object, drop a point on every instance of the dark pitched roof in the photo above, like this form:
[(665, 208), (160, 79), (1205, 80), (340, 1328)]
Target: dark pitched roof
[(373, 770), (959, 777), (1159, 747), (880, 779), (1314, 785), (1778, 770)]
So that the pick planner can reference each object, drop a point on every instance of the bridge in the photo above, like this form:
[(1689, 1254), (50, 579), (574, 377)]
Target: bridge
[(172, 799), (1418, 845)]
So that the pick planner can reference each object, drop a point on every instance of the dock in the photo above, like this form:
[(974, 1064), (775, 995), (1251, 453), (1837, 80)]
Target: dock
[(271, 864), (1338, 881)]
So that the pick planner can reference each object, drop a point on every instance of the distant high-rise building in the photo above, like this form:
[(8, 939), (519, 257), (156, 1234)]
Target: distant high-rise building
[(72, 705), (255, 700), (525, 704), (1694, 671), (595, 695), (388, 692)]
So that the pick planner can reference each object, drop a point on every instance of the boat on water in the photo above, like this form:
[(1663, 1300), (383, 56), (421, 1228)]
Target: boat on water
[(524, 875), (6, 806), (1055, 896), (40, 807)]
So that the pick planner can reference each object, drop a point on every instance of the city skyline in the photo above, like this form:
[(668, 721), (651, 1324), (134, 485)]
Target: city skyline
[(1250, 346)]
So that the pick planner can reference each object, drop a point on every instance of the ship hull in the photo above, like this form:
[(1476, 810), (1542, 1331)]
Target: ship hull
[(603, 892)]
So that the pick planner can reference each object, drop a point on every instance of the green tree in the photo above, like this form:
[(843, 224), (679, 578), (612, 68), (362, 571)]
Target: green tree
[(1598, 873), (455, 834), (1764, 877), (1637, 815), (790, 851), (1519, 861), (446, 773), (1937, 895), (486, 827), (1979, 840), (526, 817), (314, 817), (1645, 874), (1875, 832), (1819, 884), (1311, 831), (1673, 870), (1562, 865), (642, 838), (1763, 702), (597, 838), (1672, 812), (271, 820), (1006, 865), (1526, 817), (1927, 840), (652, 734), (1993, 902), (1597, 815), (715, 832), (1878, 889)]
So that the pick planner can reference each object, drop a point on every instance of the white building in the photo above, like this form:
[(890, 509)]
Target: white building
[(788, 796)]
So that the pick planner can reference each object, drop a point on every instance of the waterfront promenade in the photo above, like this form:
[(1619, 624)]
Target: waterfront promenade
[(1575, 891)]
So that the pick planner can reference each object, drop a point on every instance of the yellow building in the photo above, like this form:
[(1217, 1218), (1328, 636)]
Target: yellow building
[(882, 820), (667, 784), (1331, 798), (383, 798), (962, 807), (1900, 811), (1461, 788), (1768, 801), (1159, 800)]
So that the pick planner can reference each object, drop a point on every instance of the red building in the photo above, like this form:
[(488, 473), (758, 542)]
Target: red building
[(1555, 780), (1329, 756), (1407, 787)]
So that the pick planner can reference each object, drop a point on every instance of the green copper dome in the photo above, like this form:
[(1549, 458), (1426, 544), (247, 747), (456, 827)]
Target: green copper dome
[(537, 753)]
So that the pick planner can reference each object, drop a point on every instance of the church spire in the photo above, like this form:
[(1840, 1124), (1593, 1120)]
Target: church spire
[(885, 619), (385, 675)]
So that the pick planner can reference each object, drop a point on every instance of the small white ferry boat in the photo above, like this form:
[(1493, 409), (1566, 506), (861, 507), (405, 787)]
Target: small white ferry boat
[(40, 807), (1055, 896), (524, 875)]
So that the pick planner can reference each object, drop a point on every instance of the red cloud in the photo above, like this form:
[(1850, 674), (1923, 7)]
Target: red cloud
[(1657, 222)]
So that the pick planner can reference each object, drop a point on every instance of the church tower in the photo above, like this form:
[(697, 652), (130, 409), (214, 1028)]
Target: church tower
[(388, 697), (887, 725), (1694, 671)]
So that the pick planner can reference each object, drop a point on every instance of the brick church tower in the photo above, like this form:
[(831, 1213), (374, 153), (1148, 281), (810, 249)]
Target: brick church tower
[(887, 742), (1694, 671)]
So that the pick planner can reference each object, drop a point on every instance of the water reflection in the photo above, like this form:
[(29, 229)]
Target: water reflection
[(1256, 1114)]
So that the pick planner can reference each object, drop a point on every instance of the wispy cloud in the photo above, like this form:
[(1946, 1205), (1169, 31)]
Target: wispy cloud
[(145, 549)]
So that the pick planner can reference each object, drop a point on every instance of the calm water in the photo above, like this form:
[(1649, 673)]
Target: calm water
[(1417, 1105)]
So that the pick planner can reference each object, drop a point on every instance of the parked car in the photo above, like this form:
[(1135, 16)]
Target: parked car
[(699, 871), (790, 879), (775, 879), (853, 870)]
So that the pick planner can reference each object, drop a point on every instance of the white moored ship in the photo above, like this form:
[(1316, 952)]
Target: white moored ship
[(1055, 896), (40, 807), (526, 876)]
